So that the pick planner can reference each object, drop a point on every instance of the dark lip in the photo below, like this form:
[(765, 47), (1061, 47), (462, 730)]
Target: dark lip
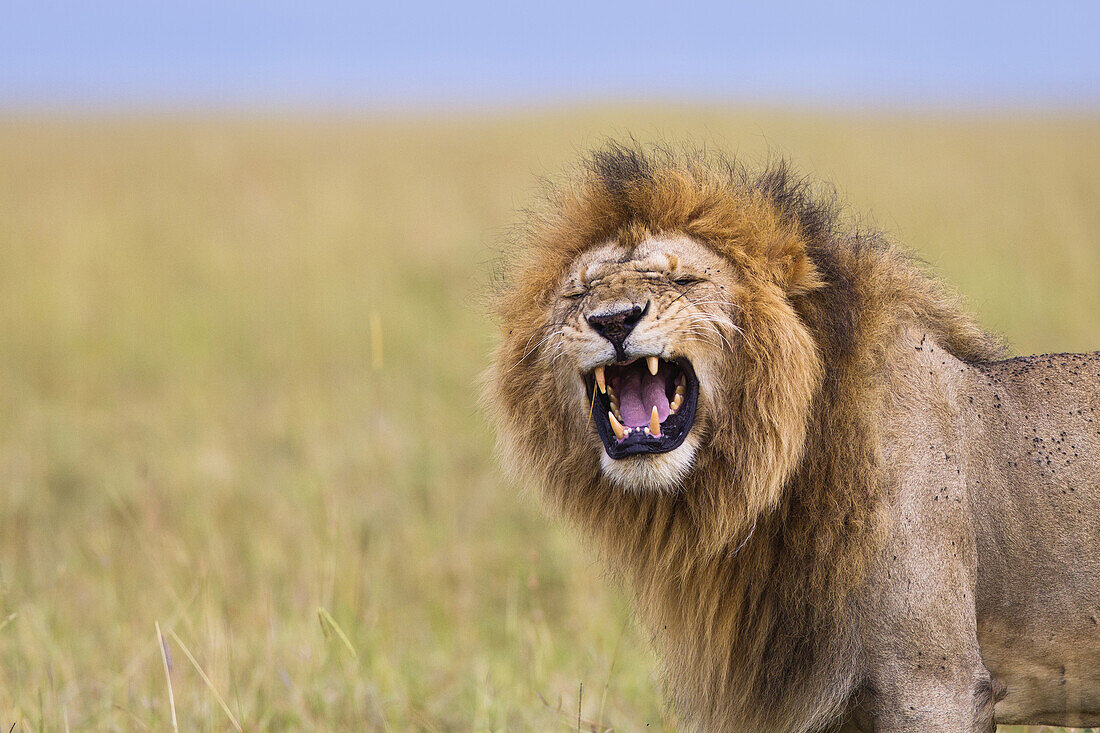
[(674, 429)]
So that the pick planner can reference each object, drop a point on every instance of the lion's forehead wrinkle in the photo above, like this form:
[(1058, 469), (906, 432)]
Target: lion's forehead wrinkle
[(658, 255)]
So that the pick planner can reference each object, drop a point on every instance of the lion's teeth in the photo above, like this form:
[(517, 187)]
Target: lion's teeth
[(681, 390), (601, 380), (652, 362), (676, 402), (654, 423), (620, 433)]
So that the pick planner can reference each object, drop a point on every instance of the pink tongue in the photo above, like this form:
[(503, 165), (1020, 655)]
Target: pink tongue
[(639, 394)]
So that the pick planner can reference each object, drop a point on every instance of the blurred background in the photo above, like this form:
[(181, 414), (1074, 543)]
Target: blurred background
[(244, 252)]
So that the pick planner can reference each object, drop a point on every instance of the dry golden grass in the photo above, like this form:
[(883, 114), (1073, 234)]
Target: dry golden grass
[(237, 403)]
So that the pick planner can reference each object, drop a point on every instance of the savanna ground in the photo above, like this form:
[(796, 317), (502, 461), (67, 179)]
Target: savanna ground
[(238, 365)]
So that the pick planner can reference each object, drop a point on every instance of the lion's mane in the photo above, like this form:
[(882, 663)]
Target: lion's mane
[(740, 576)]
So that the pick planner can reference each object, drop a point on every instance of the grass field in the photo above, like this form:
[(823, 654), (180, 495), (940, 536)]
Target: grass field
[(237, 399)]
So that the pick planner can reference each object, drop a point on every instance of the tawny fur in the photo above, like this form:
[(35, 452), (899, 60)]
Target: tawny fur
[(750, 576)]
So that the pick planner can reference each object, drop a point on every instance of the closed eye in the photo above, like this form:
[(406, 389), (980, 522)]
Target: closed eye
[(684, 280)]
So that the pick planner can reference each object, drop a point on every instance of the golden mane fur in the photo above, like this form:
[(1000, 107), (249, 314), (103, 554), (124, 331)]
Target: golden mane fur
[(741, 575)]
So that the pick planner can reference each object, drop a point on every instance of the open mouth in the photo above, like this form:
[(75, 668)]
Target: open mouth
[(646, 406)]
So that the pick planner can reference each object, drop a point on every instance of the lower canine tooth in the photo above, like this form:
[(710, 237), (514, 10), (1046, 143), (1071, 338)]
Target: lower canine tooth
[(620, 433), (654, 423)]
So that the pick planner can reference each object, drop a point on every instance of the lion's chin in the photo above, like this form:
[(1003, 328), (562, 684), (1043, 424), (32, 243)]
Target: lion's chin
[(664, 472)]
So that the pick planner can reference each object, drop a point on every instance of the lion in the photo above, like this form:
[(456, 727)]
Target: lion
[(834, 504)]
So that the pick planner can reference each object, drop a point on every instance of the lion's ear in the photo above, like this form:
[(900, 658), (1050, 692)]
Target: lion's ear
[(798, 274), (782, 246)]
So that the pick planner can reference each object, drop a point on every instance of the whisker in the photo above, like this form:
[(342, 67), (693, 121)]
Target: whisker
[(715, 302), (710, 323), (534, 348), (704, 336)]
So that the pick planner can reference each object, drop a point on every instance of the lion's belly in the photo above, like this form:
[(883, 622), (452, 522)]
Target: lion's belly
[(1038, 608)]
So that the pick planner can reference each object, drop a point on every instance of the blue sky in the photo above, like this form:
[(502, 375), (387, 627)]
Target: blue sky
[(427, 54)]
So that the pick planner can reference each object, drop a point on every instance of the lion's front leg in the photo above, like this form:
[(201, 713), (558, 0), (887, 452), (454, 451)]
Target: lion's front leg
[(924, 668), (957, 700)]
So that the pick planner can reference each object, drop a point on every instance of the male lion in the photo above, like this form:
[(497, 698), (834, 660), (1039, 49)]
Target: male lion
[(833, 505)]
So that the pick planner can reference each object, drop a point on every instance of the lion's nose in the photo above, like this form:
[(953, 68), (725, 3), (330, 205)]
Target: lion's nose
[(616, 326)]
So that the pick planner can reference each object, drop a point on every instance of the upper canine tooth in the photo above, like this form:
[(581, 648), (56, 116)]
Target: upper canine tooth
[(601, 380), (620, 433), (654, 423), (652, 362)]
